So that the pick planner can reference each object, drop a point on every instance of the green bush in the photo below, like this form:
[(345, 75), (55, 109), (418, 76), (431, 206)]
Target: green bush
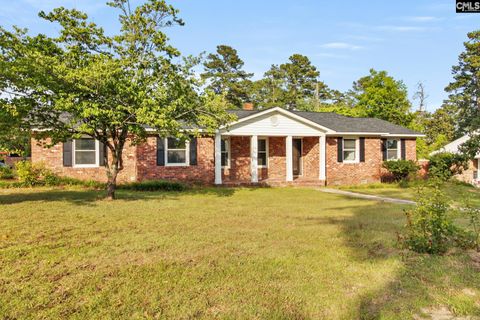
[(6, 173), (401, 169), (445, 165), (430, 227), (473, 215), (28, 174), (154, 185)]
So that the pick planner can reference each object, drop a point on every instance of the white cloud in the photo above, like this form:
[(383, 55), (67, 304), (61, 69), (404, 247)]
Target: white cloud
[(422, 19), (341, 45), (330, 55), (366, 38), (401, 28)]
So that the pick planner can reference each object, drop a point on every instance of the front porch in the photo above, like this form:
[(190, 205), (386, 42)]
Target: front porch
[(270, 160)]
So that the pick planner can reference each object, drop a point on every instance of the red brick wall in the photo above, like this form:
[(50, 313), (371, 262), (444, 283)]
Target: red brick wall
[(276, 158), (52, 158), (203, 172), (411, 149), (340, 173), (311, 157), (140, 162), (239, 171)]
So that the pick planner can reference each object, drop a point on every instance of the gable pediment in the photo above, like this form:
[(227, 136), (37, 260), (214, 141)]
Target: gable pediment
[(274, 123)]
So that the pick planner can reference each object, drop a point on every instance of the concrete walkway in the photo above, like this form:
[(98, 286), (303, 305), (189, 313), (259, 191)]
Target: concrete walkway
[(366, 196)]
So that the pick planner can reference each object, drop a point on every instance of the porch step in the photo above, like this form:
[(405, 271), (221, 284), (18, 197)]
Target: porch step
[(279, 183)]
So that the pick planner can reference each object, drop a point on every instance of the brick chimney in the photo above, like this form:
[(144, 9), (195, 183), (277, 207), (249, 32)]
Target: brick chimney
[(248, 106)]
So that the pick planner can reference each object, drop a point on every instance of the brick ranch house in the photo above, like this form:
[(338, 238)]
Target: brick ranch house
[(272, 146)]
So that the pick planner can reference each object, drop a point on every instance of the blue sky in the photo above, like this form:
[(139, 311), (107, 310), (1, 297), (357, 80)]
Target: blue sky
[(413, 40)]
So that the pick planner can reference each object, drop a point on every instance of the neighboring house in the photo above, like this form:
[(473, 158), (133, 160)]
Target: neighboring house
[(471, 174), (272, 146), (10, 159)]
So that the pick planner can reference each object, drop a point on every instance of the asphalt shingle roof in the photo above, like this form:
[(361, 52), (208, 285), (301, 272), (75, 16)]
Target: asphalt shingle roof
[(340, 123)]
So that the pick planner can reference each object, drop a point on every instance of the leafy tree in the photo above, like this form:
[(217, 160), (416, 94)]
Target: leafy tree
[(293, 85), (224, 70), (14, 132), (439, 128), (87, 83), (464, 91), (380, 96)]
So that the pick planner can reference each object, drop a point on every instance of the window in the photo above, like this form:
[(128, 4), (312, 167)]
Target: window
[(85, 152), (349, 150), (225, 153), (262, 154), (176, 152), (392, 150)]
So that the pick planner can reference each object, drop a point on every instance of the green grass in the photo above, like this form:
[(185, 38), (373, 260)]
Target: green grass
[(456, 191), (217, 254)]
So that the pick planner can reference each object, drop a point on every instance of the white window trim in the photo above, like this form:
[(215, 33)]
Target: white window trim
[(187, 155), (357, 150), (399, 149), (97, 155), (266, 151), (228, 150)]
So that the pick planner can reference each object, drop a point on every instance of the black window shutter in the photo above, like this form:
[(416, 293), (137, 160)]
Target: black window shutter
[(340, 149), (193, 151), (403, 150), (362, 149), (160, 151), (67, 153), (384, 149), (102, 152)]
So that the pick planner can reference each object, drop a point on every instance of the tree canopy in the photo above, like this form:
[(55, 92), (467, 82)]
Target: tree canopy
[(110, 87), (464, 92), (380, 96), (224, 71)]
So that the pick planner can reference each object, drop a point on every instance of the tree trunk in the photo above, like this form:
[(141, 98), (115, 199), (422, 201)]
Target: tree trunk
[(112, 184), (112, 173)]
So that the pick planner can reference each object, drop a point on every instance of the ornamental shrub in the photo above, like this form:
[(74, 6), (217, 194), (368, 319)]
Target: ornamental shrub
[(445, 165), (28, 174), (6, 173), (401, 169), (430, 228)]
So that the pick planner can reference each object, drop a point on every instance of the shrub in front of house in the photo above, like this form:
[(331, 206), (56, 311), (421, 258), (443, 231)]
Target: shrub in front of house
[(6, 173), (154, 185), (31, 175), (430, 225), (401, 170), (445, 165), (28, 174)]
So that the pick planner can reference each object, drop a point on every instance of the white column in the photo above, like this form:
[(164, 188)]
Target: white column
[(218, 158), (323, 158), (254, 158), (289, 158)]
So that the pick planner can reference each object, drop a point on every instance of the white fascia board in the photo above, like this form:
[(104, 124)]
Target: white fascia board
[(364, 134), (418, 135), (375, 134), (284, 112)]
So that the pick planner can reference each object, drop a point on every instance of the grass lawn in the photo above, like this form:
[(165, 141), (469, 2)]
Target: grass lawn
[(456, 192), (279, 253)]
